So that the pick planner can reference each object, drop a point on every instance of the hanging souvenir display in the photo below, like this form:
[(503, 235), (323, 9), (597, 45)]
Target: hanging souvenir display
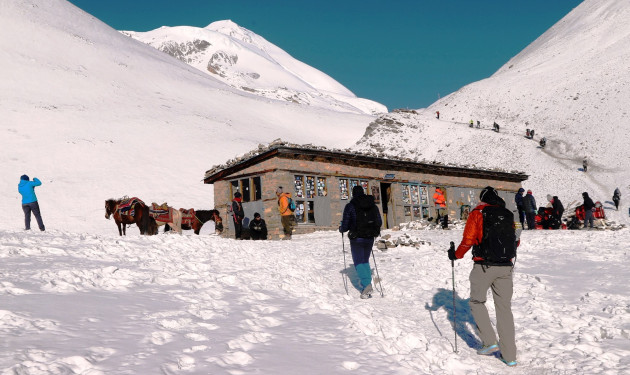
[(299, 186), (364, 185), (405, 194), (321, 187), (310, 186), (415, 194), (424, 195), (376, 193), (343, 188)]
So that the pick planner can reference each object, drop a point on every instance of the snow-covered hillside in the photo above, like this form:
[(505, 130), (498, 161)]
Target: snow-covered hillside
[(245, 60), (571, 85), (95, 114)]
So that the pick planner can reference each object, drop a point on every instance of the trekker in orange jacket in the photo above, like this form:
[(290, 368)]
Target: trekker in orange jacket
[(491, 273), (440, 202), (286, 215)]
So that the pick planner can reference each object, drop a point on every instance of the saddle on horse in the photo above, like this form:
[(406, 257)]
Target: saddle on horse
[(188, 216), (161, 212), (126, 205)]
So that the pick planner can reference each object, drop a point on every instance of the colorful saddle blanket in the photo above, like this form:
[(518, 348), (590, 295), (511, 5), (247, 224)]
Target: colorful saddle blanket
[(188, 216), (161, 212), (125, 207)]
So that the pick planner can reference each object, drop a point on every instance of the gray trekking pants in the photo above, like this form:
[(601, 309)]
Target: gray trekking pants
[(499, 279)]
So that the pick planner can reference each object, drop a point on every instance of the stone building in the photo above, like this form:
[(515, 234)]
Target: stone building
[(320, 181)]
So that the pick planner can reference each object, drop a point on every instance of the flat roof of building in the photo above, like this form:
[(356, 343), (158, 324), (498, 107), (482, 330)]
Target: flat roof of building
[(355, 159)]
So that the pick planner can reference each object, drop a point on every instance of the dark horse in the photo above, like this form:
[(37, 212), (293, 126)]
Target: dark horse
[(199, 219), (140, 216)]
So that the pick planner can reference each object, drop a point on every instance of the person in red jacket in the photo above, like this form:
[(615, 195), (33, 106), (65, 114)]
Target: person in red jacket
[(490, 274)]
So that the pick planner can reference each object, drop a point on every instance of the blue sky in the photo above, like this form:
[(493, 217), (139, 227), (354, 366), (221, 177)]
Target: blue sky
[(401, 53)]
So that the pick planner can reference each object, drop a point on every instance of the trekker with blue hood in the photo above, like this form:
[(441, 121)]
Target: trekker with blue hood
[(29, 201), (362, 221)]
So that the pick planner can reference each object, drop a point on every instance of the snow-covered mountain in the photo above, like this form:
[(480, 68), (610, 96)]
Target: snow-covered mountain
[(571, 85), (248, 62), (84, 107)]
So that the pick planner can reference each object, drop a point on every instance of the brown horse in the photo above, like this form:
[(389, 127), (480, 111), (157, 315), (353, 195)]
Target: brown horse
[(128, 211), (198, 219)]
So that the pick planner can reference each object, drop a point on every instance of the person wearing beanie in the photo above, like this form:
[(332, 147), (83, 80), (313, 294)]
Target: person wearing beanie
[(362, 220), (287, 218), (518, 199), (492, 269), (589, 207), (529, 205), (237, 214), (258, 228), (29, 201)]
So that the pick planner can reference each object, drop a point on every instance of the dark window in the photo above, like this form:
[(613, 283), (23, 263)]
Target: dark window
[(257, 188), (246, 191)]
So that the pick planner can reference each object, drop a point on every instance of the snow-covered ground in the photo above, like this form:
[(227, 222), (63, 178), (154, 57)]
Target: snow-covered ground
[(95, 115), (94, 303)]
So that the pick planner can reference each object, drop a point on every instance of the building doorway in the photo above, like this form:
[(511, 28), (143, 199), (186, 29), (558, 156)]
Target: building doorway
[(386, 197)]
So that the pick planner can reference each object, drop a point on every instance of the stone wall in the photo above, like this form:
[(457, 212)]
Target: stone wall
[(278, 171)]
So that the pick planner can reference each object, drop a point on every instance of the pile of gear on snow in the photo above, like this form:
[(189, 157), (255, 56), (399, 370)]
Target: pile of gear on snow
[(369, 153), (387, 241)]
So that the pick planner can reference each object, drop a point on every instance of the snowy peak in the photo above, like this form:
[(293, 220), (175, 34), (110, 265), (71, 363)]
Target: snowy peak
[(248, 62)]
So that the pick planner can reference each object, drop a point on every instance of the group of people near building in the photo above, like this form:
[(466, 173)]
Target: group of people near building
[(257, 228), (551, 218)]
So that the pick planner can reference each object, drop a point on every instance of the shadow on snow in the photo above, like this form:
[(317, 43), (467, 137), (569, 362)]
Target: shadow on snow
[(444, 299)]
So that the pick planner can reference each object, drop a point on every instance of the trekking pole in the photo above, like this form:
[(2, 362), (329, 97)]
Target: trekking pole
[(343, 250), (454, 309), (377, 275)]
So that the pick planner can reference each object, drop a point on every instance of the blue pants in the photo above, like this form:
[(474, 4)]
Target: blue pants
[(32, 207), (588, 218), (361, 249)]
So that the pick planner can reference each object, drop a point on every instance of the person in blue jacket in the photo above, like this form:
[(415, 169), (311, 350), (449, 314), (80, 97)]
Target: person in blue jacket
[(362, 220), (29, 201)]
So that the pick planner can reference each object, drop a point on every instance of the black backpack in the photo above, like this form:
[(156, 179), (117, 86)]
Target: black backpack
[(367, 222), (498, 243)]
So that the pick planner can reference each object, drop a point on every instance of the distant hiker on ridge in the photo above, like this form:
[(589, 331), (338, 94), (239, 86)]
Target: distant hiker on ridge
[(471, 123), (438, 114), (490, 232), (616, 198), (543, 142), (585, 164), (362, 221), (29, 201)]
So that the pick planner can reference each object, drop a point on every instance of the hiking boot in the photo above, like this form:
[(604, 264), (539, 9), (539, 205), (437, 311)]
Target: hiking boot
[(487, 350), (509, 363), (367, 292)]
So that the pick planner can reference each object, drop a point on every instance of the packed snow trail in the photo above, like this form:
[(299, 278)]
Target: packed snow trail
[(100, 304)]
